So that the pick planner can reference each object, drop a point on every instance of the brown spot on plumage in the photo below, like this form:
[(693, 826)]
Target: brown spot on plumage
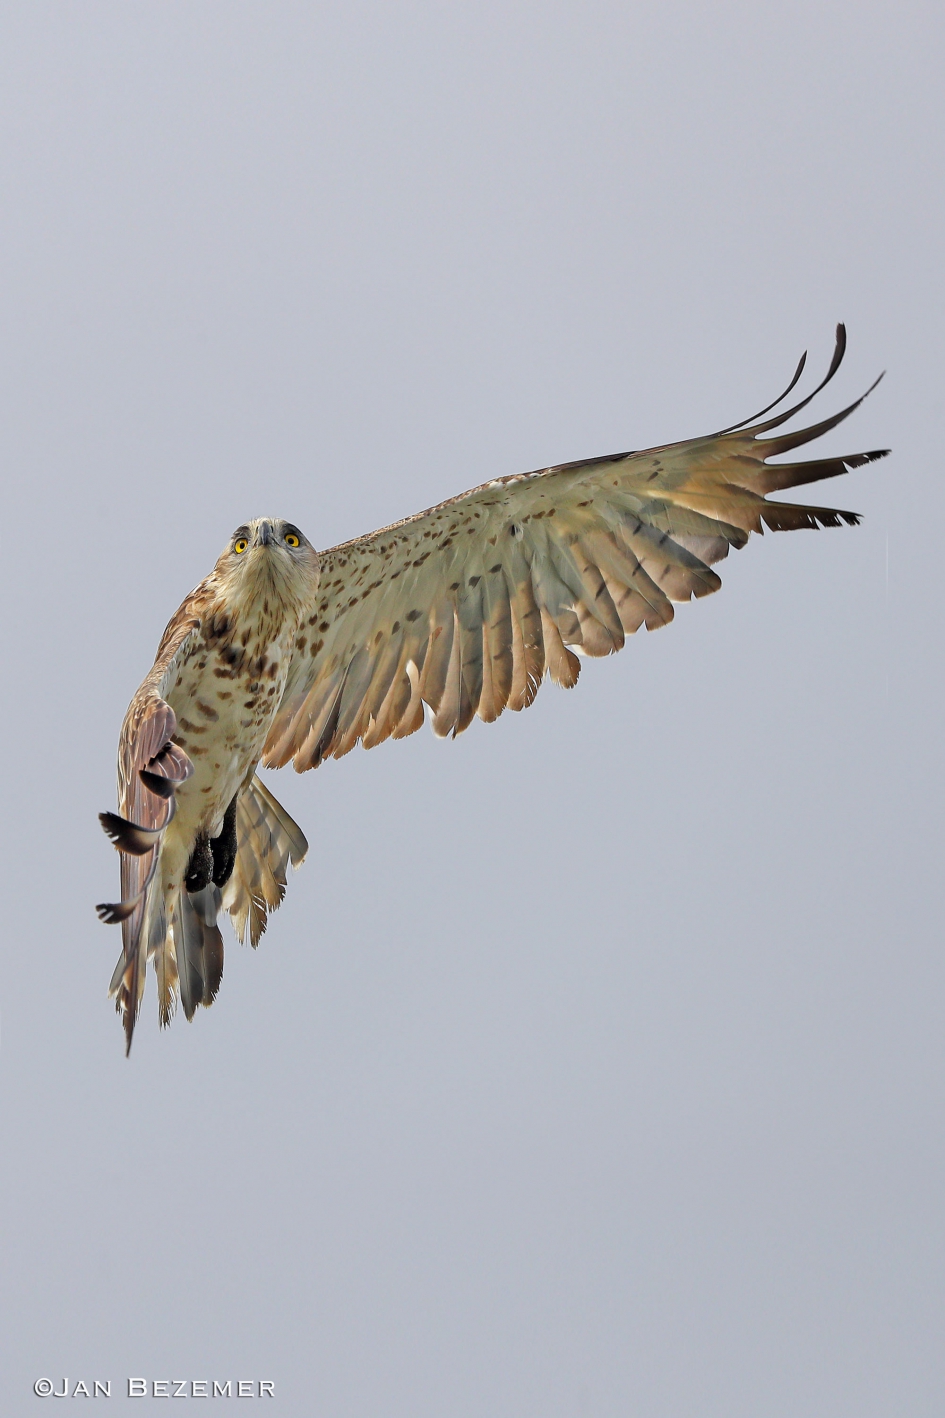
[(190, 727)]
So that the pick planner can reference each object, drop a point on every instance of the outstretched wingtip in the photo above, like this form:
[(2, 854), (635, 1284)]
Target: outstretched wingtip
[(839, 350), (732, 428), (860, 459)]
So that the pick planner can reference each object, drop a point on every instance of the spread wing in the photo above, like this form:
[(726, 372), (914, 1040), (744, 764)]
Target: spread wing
[(465, 607)]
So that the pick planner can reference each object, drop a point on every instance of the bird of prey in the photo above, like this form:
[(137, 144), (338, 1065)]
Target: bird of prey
[(284, 652)]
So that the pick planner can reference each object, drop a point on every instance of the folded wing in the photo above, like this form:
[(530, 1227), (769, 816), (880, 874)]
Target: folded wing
[(150, 768)]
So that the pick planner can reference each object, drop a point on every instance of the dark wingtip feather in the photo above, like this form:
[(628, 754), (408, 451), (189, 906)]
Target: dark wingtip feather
[(768, 407), (838, 352), (111, 913), (161, 787), (784, 442), (859, 459), (171, 762), (128, 836), (790, 517), (774, 477)]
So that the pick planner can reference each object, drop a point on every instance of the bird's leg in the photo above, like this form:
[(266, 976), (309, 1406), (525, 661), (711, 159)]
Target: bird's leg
[(200, 867), (224, 847)]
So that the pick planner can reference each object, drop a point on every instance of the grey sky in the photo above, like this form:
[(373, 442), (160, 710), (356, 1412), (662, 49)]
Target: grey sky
[(593, 1065)]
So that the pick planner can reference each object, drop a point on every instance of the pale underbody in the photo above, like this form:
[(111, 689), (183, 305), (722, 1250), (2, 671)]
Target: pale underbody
[(222, 721)]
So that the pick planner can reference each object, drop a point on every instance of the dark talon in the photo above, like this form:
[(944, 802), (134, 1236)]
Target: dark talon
[(200, 866), (224, 847)]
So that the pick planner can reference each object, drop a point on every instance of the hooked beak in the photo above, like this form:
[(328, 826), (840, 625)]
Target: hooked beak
[(265, 534)]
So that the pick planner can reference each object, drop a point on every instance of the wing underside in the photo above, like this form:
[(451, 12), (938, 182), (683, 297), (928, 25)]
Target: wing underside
[(467, 606)]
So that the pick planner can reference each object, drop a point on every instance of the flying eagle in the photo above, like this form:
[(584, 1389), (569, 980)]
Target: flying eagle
[(283, 652)]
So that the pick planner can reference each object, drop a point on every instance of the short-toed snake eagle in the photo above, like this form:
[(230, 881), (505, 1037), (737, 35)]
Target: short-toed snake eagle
[(286, 653)]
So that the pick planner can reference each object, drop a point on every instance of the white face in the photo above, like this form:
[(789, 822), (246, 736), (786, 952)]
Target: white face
[(269, 555), (268, 532)]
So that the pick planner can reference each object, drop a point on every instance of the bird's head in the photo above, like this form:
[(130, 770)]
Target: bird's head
[(269, 558)]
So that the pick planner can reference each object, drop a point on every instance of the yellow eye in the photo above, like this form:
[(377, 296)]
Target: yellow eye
[(240, 545), (291, 540)]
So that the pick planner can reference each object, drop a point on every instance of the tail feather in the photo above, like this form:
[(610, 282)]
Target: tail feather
[(180, 935), (199, 948), (268, 841), (165, 968)]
